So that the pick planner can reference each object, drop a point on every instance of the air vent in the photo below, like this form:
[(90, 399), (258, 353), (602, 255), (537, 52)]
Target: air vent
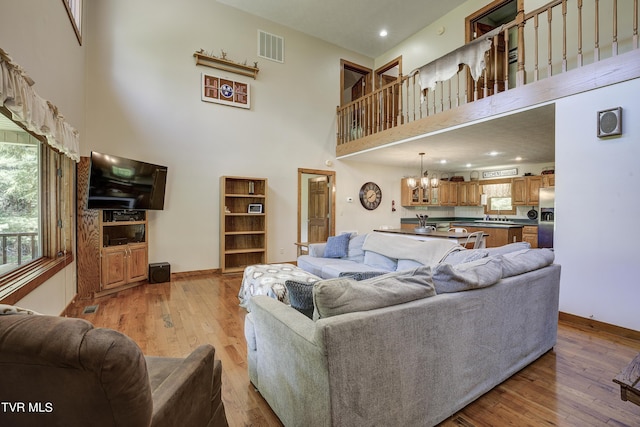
[(270, 46)]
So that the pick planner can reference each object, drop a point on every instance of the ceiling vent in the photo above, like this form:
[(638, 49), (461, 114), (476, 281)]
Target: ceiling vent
[(270, 46)]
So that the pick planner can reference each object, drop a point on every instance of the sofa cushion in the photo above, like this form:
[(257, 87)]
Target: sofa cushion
[(335, 269), (526, 260), (511, 247), (407, 264), (300, 296), (465, 255), (470, 275), (355, 251), (337, 246), (344, 295), (376, 260)]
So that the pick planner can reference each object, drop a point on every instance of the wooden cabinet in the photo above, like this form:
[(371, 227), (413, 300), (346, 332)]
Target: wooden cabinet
[(448, 193), (469, 193), (125, 264), (243, 222), (530, 234), (413, 196), (124, 255), (525, 190), (548, 180)]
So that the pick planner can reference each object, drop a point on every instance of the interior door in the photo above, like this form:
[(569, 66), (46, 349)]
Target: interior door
[(318, 225)]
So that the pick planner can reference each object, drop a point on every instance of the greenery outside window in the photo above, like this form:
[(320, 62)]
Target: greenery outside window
[(36, 215)]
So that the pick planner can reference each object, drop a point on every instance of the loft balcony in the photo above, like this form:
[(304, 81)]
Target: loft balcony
[(561, 49)]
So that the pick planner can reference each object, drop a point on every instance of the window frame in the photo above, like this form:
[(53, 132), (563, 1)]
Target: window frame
[(487, 207), (74, 11), (56, 216)]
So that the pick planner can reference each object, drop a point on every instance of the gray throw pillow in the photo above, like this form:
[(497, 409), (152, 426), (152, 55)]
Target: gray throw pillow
[(333, 297), (300, 296), (520, 262), (470, 275), (465, 255), (337, 246)]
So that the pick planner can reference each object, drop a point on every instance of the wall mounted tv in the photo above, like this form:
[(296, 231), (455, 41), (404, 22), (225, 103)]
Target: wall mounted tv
[(120, 183)]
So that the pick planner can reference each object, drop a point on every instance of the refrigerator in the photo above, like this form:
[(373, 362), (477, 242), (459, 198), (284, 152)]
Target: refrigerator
[(546, 220)]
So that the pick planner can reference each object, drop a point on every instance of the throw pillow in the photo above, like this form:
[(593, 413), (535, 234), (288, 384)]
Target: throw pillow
[(508, 248), (381, 262), (333, 297), (470, 275), (12, 309), (300, 296), (337, 246), (520, 262)]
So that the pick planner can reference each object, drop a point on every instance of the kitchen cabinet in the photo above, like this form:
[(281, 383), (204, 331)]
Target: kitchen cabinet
[(448, 193), (469, 193), (416, 196), (530, 234), (548, 180), (524, 190), (497, 236)]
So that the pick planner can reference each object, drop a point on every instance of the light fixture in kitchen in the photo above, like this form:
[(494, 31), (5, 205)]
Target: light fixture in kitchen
[(422, 178)]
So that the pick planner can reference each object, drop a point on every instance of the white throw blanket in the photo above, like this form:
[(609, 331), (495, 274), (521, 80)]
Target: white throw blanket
[(445, 67), (426, 252)]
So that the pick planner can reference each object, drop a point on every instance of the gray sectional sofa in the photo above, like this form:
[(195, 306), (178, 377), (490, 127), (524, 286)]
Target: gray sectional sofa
[(406, 348), (373, 252)]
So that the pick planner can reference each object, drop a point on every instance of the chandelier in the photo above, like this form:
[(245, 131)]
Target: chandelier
[(422, 179)]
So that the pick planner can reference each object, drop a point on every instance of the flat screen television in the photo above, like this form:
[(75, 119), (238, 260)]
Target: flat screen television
[(121, 183)]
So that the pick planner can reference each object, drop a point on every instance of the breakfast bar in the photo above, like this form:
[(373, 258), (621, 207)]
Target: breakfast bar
[(460, 237)]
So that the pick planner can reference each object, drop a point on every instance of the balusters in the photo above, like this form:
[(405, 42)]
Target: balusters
[(614, 45), (579, 59), (596, 50), (549, 40), (564, 36)]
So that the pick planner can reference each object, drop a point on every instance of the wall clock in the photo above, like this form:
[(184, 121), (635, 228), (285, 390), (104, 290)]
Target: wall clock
[(370, 195)]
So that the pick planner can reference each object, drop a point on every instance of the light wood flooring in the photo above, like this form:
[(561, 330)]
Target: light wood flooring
[(568, 386)]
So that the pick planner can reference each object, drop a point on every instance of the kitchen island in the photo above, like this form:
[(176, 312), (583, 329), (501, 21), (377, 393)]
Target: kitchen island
[(459, 237), (499, 233)]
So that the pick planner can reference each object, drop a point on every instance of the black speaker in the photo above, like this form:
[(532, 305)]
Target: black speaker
[(610, 122), (159, 272)]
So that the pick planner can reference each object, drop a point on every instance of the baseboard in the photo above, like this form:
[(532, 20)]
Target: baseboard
[(596, 325), (186, 274)]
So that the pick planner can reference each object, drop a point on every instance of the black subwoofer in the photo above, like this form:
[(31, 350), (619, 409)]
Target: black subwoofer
[(159, 272)]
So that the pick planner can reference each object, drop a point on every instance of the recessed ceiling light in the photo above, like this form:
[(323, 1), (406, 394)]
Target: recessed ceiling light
[(493, 153), (383, 33), (442, 162), (468, 165), (518, 158)]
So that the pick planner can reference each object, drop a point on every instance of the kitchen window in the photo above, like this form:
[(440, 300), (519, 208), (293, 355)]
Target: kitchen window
[(498, 195)]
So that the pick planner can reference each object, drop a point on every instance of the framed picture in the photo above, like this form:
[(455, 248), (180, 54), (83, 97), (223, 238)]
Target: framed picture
[(225, 91), (255, 208)]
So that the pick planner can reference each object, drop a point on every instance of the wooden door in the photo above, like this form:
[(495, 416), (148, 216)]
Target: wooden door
[(318, 228), (114, 271), (137, 262)]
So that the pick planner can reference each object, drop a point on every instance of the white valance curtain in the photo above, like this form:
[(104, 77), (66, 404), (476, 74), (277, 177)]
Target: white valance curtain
[(497, 190), (36, 114)]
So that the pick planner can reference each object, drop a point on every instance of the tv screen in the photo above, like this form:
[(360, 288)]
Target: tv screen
[(120, 183)]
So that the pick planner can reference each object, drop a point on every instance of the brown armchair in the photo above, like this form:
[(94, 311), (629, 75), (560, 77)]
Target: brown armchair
[(58, 371)]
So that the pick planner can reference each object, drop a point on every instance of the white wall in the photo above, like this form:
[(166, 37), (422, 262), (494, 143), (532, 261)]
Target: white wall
[(143, 102), (597, 183), (38, 35)]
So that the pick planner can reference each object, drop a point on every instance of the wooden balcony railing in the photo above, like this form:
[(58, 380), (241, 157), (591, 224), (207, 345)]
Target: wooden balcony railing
[(17, 248), (561, 36)]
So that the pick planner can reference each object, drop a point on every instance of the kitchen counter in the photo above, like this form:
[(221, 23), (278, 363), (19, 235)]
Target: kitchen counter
[(461, 238), (490, 224)]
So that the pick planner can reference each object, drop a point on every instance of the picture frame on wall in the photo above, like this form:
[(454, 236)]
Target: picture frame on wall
[(224, 91)]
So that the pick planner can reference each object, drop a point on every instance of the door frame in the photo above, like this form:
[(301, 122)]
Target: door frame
[(366, 72), (331, 176)]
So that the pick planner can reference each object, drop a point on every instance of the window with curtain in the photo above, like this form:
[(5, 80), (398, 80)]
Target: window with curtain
[(36, 211), (498, 195)]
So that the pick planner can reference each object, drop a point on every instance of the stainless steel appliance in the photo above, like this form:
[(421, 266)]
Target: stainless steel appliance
[(546, 219)]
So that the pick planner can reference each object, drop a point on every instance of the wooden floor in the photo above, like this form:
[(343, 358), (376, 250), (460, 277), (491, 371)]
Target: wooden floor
[(569, 386)]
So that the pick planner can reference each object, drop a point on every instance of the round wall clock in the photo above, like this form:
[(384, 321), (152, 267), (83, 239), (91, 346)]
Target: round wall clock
[(370, 195)]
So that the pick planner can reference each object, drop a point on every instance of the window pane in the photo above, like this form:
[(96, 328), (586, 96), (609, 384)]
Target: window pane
[(19, 199), (500, 204)]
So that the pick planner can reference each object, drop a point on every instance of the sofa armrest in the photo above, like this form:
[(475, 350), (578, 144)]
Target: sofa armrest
[(317, 249), (290, 363), (191, 393)]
